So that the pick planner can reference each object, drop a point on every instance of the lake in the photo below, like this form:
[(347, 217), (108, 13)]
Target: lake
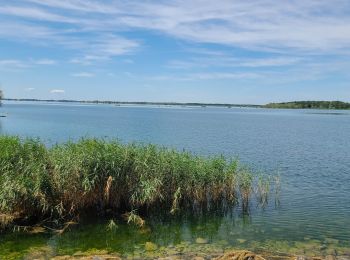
[(310, 149)]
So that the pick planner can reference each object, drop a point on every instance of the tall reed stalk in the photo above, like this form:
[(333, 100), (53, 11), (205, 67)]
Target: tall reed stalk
[(67, 179)]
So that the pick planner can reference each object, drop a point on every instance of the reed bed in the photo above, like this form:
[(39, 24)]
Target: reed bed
[(92, 175)]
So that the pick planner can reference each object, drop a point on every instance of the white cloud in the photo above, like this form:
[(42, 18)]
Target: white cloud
[(100, 45), (57, 91), (33, 13), (129, 61), (308, 26), (12, 63), (78, 5), (45, 62), (270, 62), (225, 60), (289, 33), (29, 89), (83, 74), (207, 76), (128, 74), (16, 65), (88, 59), (301, 25), (223, 75)]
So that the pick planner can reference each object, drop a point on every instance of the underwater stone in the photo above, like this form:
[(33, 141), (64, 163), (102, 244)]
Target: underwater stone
[(343, 257), (201, 240), (223, 242), (323, 247), (329, 240), (330, 251), (149, 246), (62, 257)]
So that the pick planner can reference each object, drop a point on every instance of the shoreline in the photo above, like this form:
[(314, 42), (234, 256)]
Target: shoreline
[(183, 254), (138, 103), (302, 105)]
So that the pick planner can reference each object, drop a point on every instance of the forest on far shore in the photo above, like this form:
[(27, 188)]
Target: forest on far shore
[(310, 104)]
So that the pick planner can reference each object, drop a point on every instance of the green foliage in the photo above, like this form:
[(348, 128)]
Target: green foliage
[(112, 226), (245, 184), (310, 104), (263, 189), (24, 177), (67, 179)]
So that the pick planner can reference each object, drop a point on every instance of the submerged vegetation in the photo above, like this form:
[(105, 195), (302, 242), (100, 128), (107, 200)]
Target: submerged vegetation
[(63, 181), (310, 105)]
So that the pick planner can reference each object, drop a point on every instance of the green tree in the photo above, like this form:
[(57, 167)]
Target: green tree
[(310, 104)]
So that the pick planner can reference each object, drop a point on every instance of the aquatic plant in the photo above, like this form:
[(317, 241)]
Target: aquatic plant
[(263, 189), (92, 175), (133, 218), (24, 178), (277, 184), (1, 96), (112, 226), (245, 184)]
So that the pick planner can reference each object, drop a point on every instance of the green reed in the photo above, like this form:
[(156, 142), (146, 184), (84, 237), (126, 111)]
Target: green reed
[(57, 183)]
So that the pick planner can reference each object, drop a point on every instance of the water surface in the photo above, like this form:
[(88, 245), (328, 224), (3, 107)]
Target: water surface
[(309, 148)]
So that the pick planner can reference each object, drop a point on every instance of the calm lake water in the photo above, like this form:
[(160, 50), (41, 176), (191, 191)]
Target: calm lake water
[(310, 149)]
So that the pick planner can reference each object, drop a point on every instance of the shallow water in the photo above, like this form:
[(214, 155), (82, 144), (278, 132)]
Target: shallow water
[(309, 148)]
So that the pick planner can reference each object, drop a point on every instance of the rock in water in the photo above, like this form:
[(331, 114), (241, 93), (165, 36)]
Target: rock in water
[(201, 240), (149, 246)]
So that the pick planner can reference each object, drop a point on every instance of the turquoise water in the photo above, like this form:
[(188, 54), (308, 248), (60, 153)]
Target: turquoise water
[(309, 148)]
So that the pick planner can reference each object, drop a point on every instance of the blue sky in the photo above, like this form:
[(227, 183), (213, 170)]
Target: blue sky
[(229, 51)]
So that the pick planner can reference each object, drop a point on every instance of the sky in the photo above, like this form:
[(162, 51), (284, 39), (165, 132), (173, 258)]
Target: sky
[(227, 51)]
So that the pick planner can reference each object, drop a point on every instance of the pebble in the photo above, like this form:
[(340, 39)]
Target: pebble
[(149, 246), (330, 257), (201, 240)]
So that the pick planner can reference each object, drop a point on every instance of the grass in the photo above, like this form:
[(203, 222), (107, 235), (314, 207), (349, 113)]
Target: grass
[(59, 183)]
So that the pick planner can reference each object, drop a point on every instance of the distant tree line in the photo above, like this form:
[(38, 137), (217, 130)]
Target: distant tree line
[(310, 105), (133, 103), (291, 105)]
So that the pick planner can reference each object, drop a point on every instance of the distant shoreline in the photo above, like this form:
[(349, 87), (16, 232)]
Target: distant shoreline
[(133, 103), (325, 105)]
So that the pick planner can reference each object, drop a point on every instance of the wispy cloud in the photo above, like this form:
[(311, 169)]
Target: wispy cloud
[(90, 45), (223, 75), (83, 74), (228, 61), (231, 41), (275, 25), (129, 61), (45, 62), (15, 64), (309, 26), (270, 62), (88, 59), (206, 76), (57, 91), (79, 5), (33, 13)]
